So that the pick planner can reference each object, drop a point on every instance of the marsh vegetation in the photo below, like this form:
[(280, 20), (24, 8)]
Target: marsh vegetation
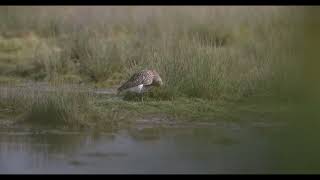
[(208, 57)]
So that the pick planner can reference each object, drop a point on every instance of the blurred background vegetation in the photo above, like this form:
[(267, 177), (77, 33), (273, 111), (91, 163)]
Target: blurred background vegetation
[(296, 148)]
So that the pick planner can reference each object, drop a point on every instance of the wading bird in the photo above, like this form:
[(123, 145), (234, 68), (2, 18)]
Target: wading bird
[(141, 82)]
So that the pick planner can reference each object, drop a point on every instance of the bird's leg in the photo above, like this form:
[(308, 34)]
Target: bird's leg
[(142, 98)]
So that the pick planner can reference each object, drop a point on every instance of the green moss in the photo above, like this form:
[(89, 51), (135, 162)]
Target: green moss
[(186, 109)]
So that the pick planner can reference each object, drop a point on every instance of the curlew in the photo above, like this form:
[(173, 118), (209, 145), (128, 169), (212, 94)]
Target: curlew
[(141, 82)]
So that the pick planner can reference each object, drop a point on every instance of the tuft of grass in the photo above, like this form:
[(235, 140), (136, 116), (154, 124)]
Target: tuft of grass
[(54, 107), (57, 109)]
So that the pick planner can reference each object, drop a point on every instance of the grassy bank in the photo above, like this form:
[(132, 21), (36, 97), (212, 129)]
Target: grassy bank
[(201, 52), (63, 108), (209, 58)]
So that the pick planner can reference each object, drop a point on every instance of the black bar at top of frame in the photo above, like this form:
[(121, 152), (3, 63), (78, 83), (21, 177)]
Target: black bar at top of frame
[(159, 2)]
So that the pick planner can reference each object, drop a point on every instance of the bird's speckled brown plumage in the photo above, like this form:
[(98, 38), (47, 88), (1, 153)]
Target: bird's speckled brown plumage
[(147, 78)]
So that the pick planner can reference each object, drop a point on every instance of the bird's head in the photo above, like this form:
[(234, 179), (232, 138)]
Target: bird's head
[(157, 79)]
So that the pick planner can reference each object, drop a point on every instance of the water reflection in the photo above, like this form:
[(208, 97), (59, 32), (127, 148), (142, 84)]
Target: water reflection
[(214, 149)]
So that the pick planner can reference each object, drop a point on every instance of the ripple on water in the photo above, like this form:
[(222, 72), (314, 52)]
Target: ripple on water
[(105, 154)]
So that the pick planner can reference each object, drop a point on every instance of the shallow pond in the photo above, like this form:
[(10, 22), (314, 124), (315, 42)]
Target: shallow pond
[(215, 148)]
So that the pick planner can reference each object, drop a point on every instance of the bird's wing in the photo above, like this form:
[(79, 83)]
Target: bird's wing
[(137, 79)]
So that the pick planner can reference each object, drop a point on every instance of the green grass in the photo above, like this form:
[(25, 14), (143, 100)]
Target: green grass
[(227, 52), (186, 110), (207, 57), (62, 108), (71, 109)]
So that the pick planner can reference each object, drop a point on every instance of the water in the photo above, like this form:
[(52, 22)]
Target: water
[(216, 148)]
